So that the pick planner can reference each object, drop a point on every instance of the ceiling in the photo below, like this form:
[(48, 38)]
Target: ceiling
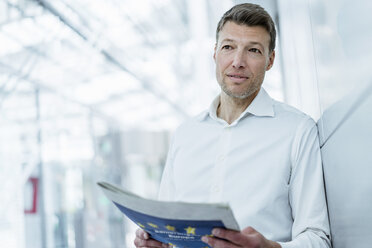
[(141, 63)]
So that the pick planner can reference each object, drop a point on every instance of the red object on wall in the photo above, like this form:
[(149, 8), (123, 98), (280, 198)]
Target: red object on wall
[(35, 184)]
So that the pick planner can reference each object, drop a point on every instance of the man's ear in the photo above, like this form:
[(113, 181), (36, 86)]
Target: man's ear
[(271, 60), (214, 53)]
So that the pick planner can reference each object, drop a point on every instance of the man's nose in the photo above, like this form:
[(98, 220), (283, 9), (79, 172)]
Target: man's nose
[(239, 60)]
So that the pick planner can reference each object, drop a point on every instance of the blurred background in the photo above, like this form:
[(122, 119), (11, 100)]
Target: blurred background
[(92, 90)]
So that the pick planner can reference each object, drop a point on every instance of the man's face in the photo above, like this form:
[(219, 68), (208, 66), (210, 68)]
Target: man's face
[(242, 57)]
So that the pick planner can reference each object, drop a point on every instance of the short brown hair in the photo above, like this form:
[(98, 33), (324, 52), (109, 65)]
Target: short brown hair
[(251, 15)]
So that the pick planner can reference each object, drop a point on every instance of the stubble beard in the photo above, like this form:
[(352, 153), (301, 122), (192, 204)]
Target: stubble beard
[(243, 95)]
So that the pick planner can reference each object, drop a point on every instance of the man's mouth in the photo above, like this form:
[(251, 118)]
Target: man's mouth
[(237, 77)]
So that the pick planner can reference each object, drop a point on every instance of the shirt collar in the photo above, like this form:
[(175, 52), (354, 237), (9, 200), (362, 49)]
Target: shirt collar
[(262, 105)]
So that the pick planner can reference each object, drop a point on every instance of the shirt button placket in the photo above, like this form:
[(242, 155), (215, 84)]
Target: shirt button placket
[(219, 169)]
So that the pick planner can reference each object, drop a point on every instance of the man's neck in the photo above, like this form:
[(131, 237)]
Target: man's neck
[(230, 108)]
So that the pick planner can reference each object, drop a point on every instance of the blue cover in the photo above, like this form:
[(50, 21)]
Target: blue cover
[(179, 233)]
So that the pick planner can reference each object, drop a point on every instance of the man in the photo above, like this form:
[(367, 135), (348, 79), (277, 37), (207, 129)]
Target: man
[(259, 155)]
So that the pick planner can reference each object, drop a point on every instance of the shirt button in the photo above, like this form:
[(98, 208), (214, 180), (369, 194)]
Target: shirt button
[(221, 158), (215, 188)]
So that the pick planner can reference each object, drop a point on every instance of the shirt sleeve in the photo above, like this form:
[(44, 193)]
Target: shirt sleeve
[(306, 191), (166, 190)]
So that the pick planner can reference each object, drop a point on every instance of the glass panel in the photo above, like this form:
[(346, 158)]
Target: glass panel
[(342, 40)]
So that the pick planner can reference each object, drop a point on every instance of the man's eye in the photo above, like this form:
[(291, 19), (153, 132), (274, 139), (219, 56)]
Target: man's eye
[(227, 47), (255, 50)]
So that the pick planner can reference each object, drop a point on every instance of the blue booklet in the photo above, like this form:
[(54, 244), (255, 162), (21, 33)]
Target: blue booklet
[(177, 223)]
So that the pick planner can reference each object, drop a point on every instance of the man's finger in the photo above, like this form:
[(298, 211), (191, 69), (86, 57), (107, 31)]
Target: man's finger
[(142, 234), (138, 242), (218, 243), (249, 230), (233, 236)]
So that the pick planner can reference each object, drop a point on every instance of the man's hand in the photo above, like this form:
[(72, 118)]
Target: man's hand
[(247, 238), (143, 240)]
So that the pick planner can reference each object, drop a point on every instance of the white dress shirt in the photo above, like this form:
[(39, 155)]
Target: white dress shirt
[(266, 165)]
